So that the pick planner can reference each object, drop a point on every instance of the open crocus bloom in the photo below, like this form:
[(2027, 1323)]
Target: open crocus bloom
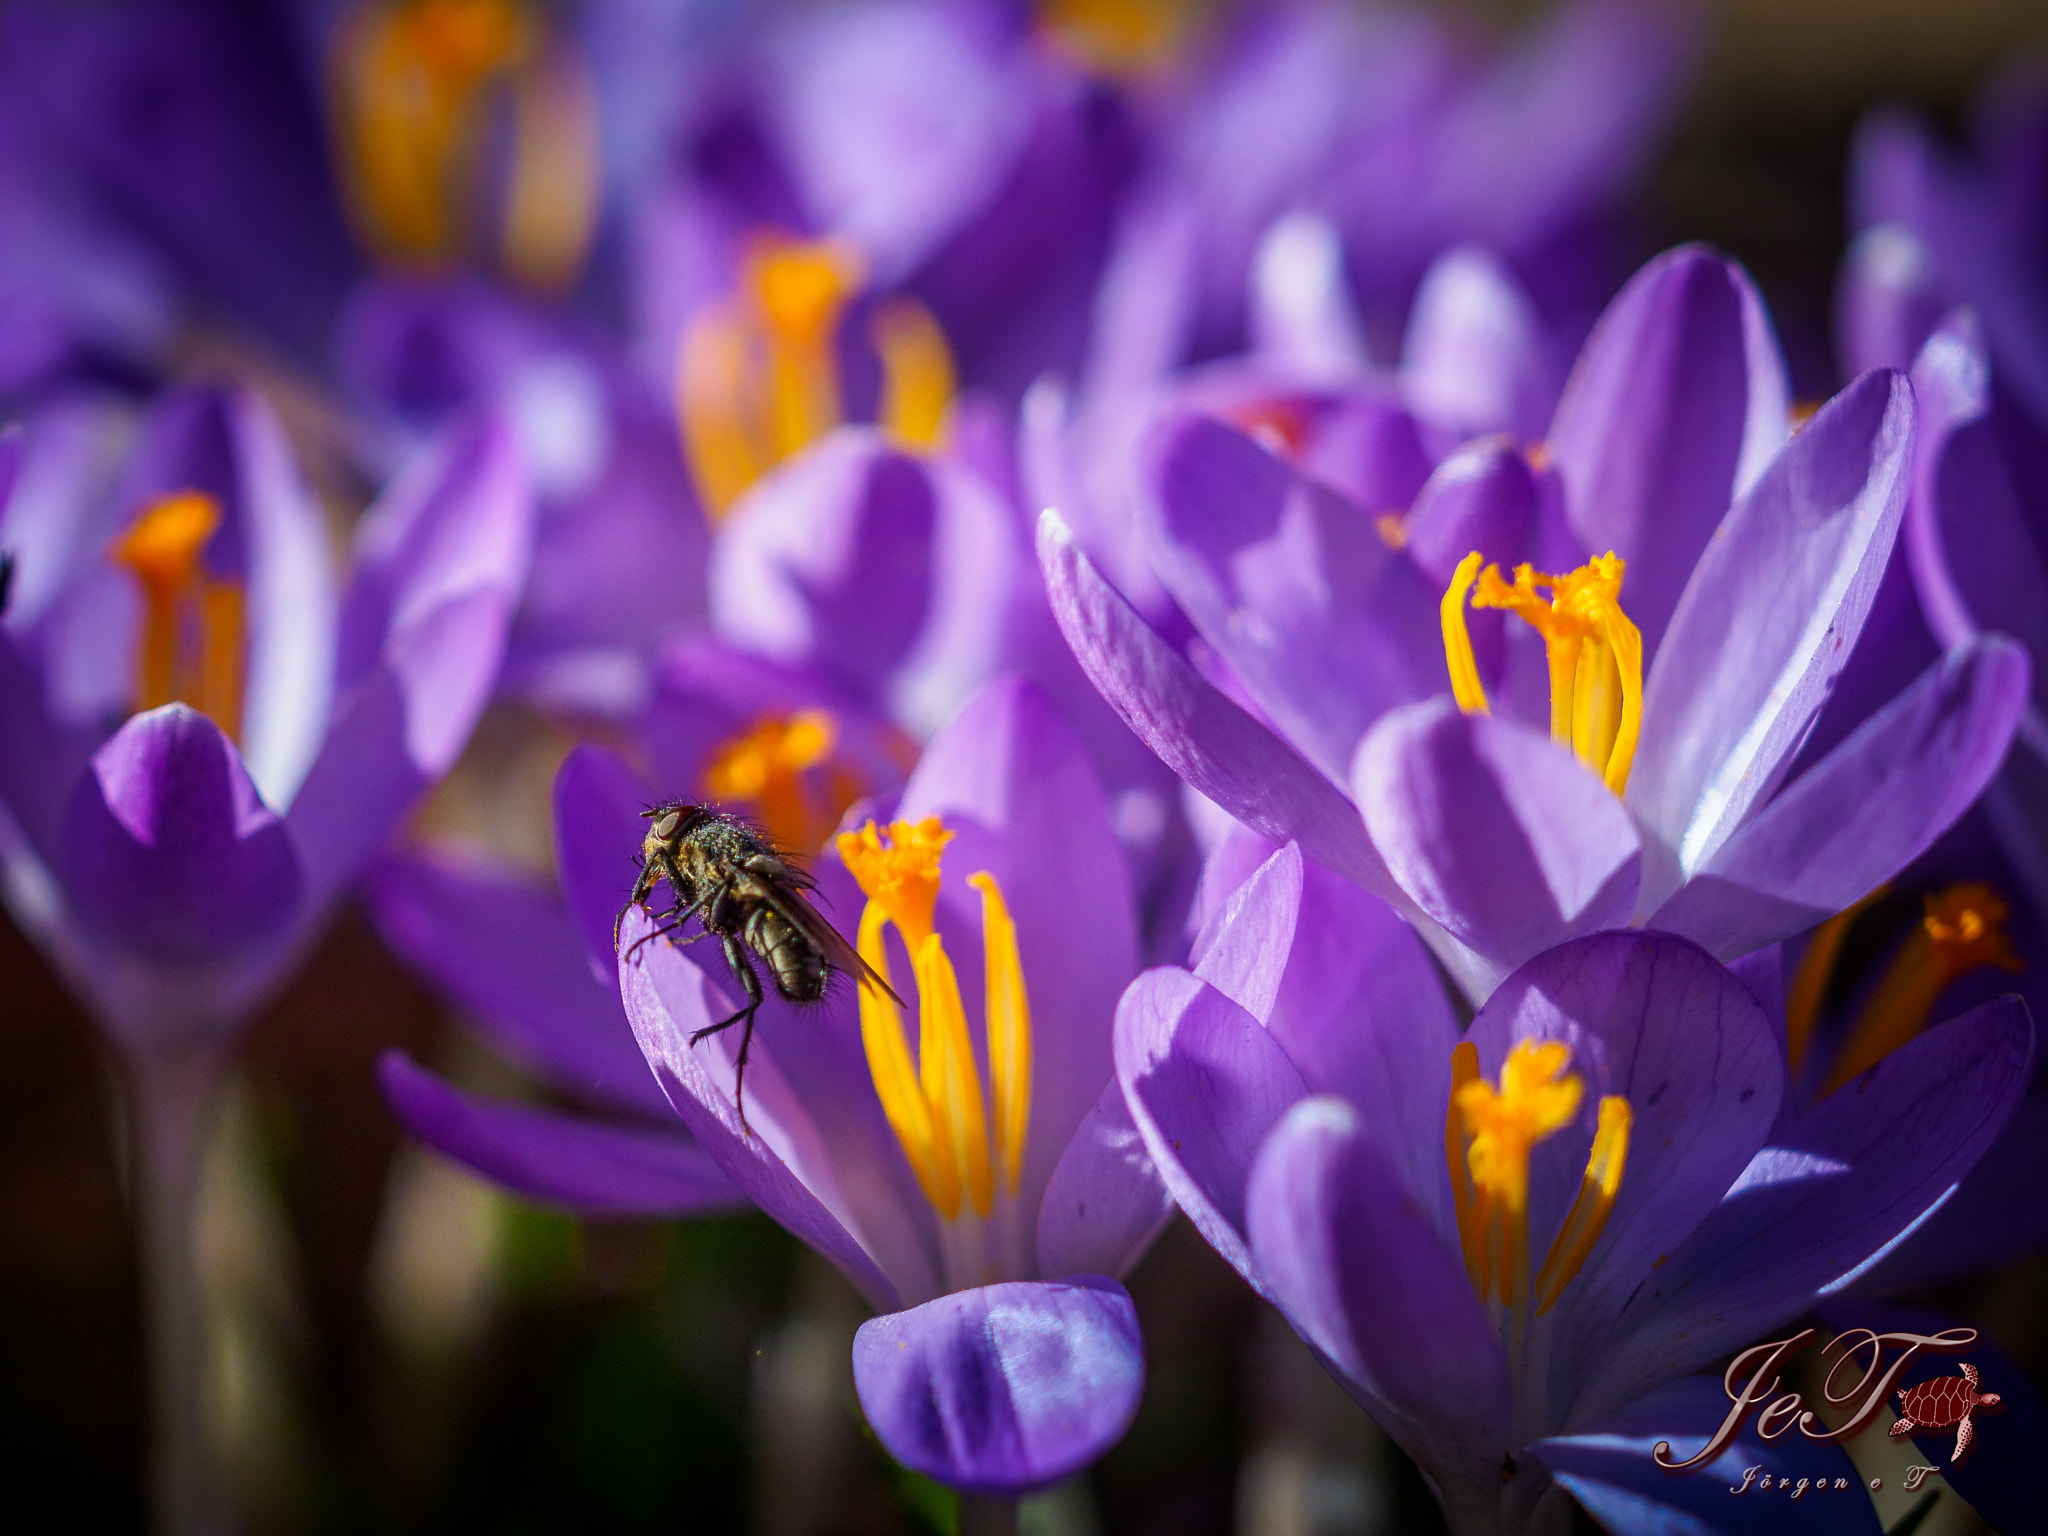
[(1711, 575), (1514, 1246), (983, 1192), (207, 743)]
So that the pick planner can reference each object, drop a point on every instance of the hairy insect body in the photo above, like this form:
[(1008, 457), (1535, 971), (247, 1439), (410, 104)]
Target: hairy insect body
[(749, 897)]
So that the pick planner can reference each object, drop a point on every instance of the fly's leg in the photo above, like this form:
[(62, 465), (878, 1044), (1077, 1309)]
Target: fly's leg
[(679, 912), (743, 973)]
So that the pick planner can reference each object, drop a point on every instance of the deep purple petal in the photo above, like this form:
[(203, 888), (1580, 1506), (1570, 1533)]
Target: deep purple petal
[(507, 952), (1766, 625), (1482, 497), (1359, 1268), (1862, 813), (1007, 1388), (1887, 299), (781, 1162), (1495, 831), (1327, 626), (170, 852), (598, 829), (1609, 1469), (586, 1165), (440, 560), (1653, 1019), (1105, 1201), (1197, 732), (44, 757), (1677, 403), (1850, 1178), (1205, 1084)]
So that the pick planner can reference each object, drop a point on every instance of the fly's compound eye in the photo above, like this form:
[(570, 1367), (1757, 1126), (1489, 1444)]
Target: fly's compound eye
[(665, 826)]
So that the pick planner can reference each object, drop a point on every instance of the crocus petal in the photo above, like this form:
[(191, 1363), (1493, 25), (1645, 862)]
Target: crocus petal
[(1302, 318), (1886, 300), (170, 852), (1972, 525), (1495, 831), (1862, 813), (780, 1162), (1852, 1176), (598, 830), (1609, 1469), (1653, 1019), (1242, 951), (1197, 732), (1766, 625), (507, 952), (1014, 783), (1482, 497), (585, 1165), (1007, 1388), (2000, 1479), (1326, 625), (1677, 403), (1360, 1270), (829, 562), (44, 757), (1105, 1201), (1474, 355), (439, 564), (1205, 1084)]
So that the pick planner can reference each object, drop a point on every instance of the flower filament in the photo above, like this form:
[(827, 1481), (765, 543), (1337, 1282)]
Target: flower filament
[(758, 378), (1488, 1135), (936, 1106), (1961, 929), (193, 621), (415, 82), (1594, 650)]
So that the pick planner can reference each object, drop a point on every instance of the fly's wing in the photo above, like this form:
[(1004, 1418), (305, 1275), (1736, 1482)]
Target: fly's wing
[(794, 909)]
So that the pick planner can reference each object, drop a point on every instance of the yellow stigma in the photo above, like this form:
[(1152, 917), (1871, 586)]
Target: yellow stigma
[(757, 381), (936, 1106), (917, 374), (1488, 1135), (1961, 930), (782, 765), (1594, 649), (192, 624), (1118, 37), (415, 84)]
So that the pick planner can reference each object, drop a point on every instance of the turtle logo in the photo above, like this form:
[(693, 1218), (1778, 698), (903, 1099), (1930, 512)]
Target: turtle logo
[(1944, 1401)]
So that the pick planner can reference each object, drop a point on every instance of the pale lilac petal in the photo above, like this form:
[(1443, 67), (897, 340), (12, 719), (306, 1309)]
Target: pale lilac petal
[(1303, 320), (170, 852), (1609, 1468), (1483, 497), (1886, 301), (585, 1165), (1004, 1389), (1653, 1019), (781, 1162), (440, 561), (1325, 624), (1475, 358), (1105, 1201), (1243, 950), (1359, 1268), (1850, 1178), (1678, 401), (1862, 813), (506, 951), (1205, 1084), (1766, 625), (1495, 831)]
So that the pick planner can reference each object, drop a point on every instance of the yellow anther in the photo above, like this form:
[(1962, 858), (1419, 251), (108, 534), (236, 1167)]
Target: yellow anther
[(1008, 1017), (552, 204), (902, 1095), (917, 374), (718, 408), (1816, 969), (1464, 1071), (1588, 1215), (1594, 650), (768, 765), (1118, 37), (900, 875), (1535, 1100), (1962, 930), (192, 625), (1466, 687), (952, 1084)]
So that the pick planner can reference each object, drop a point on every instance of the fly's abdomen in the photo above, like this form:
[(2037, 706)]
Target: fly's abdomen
[(800, 972)]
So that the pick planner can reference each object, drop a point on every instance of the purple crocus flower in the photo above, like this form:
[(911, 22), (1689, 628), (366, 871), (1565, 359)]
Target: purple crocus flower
[(177, 861), (1513, 1247), (982, 1194), (1741, 568)]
